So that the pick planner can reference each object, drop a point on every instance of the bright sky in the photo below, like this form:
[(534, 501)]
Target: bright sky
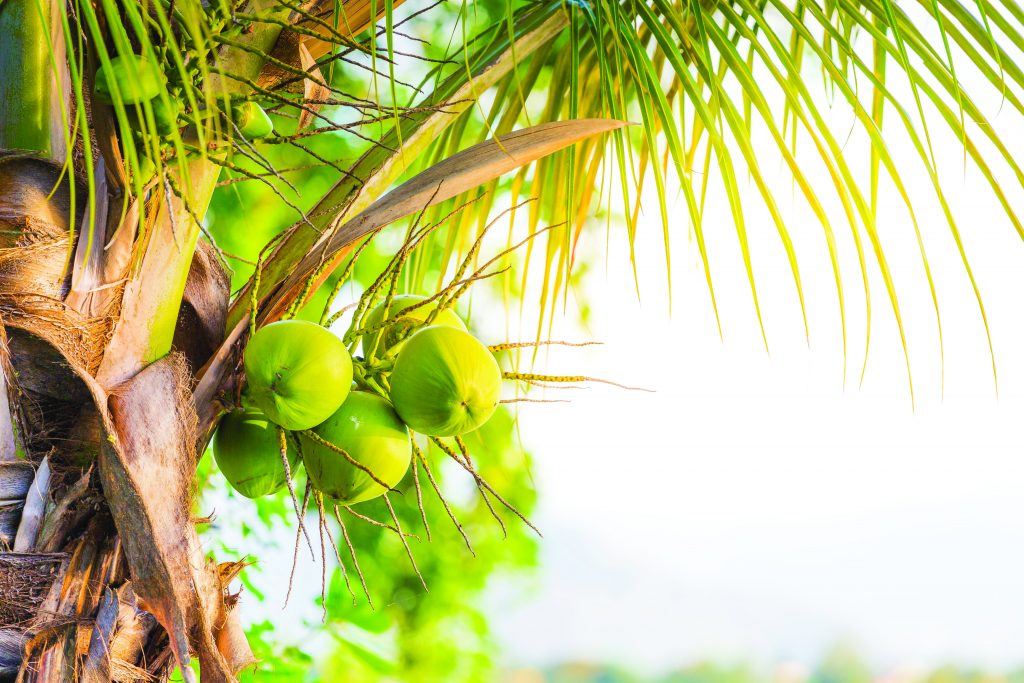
[(753, 507)]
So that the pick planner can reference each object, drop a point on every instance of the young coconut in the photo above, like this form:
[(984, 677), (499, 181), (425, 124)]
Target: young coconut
[(445, 382), (392, 337), (368, 430), (165, 116), (298, 373), (248, 453), (252, 120), (137, 80)]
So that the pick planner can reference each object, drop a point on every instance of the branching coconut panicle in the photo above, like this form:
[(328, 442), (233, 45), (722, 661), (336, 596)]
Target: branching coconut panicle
[(127, 332)]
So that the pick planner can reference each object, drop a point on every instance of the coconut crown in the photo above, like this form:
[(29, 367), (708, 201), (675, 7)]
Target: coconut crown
[(445, 382), (298, 373), (367, 428), (247, 450)]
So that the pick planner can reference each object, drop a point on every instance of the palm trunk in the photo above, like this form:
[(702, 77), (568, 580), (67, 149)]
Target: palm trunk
[(102, 577), (69, 610), (94, 485)]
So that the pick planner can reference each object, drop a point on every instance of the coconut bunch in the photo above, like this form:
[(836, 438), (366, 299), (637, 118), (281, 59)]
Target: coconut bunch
[(362, 411), (351, 423)]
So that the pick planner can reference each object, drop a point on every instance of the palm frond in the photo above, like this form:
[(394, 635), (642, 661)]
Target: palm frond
[(713, 75)]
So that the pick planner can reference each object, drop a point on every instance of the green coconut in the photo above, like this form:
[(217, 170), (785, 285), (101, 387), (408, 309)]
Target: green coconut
[(368, 429), (137, 79), (165, 116), (146, 168), (393, 336), (252, 120), (298, 373), (248, 454), (445, 382)]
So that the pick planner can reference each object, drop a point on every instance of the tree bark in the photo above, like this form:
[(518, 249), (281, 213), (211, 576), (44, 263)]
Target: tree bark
[(102, 575), (98, 549)]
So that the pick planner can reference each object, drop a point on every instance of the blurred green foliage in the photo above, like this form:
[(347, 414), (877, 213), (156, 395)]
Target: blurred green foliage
[(410, 635)]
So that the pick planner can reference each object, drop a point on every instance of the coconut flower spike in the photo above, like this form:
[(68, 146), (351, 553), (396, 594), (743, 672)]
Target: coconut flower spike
[(405, 543), (352, 553), (418, 453), (532, 378), (508, 346), (282, 437)]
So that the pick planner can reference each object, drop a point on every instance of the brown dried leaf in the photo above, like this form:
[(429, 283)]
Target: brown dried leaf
[(458, 173), (96, 665), (35, 507), (12, 644), (313, 88)]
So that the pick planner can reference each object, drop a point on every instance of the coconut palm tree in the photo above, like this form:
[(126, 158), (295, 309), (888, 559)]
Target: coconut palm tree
[(122, 333)]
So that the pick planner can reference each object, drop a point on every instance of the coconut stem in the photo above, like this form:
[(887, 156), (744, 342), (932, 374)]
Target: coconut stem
[(334, 545), (419, 496), (374, 522), (322, 524), (468, 466), (342, 279), (298, 537), (282, 441), (483, 492)]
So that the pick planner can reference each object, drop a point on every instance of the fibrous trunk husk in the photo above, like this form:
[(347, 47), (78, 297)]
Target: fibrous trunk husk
[(96, 481)]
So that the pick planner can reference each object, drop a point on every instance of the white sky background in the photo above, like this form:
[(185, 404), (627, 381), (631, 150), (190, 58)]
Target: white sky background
[(753, 507)]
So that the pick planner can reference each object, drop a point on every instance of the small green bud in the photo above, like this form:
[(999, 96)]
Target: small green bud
[(252, 120)]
